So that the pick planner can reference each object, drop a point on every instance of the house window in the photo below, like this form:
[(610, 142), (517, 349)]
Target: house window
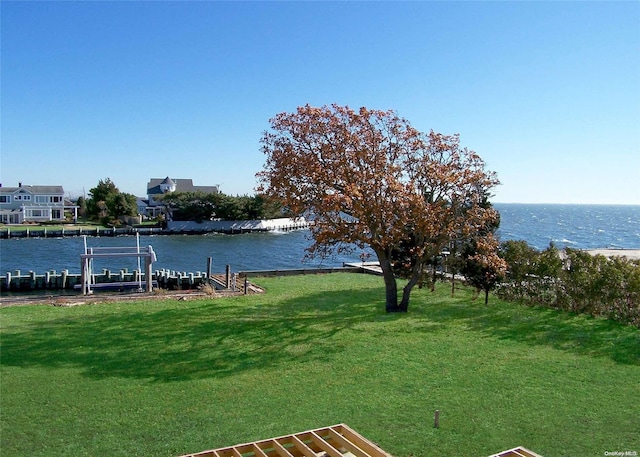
[(44, 199), (22, 197), (5, 198), (56, 214), (36, 213), (10, 219)]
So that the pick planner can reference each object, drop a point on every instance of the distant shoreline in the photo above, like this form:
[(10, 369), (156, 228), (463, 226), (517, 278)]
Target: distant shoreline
[(628, 253), (172, 228), (565, 204)]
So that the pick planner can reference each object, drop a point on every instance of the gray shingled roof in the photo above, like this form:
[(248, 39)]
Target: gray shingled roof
[(182, 185), (34, 189)]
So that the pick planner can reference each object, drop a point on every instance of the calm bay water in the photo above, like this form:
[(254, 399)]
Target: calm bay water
[(576, 226), (256, 251)]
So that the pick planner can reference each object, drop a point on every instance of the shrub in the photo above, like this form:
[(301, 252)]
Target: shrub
[(574, 281)]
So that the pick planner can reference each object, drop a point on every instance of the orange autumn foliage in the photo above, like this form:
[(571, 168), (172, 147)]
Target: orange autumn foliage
[(367, 178)]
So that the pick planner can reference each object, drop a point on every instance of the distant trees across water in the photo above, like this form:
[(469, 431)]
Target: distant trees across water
[(108, 206), (200, 206)]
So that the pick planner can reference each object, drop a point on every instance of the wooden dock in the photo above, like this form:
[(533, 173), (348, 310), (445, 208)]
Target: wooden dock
[(366, 267)]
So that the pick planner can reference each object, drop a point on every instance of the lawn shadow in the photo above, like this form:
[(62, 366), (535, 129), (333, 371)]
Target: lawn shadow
[(580, 334), (205, 339), (220, 337)]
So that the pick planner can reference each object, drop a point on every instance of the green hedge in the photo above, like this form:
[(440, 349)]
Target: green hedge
[(572, 280)]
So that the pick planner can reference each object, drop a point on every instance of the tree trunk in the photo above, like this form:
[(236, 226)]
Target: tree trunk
[(390, 285), (453, 284), (406, 291), (486, 297), (434, 271)]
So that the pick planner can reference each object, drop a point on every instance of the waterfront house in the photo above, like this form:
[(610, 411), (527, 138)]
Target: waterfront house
[(34, 204), (158, 187), (142, 204)]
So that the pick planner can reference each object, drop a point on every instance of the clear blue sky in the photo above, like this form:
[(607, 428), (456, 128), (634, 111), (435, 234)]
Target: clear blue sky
[(548, 93)]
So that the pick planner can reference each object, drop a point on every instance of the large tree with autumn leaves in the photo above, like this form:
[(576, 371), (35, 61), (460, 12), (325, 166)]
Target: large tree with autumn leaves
[(367, 178)]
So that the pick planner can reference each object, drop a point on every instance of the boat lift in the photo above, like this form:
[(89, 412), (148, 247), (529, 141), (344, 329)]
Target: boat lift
[(88, 282)]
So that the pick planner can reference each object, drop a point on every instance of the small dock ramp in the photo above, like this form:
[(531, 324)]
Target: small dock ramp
[(234, 283), (366, 267)]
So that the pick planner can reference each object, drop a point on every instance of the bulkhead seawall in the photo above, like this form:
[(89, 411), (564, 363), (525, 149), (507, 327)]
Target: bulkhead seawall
[(19, 282), (172, 228), (246, 226)]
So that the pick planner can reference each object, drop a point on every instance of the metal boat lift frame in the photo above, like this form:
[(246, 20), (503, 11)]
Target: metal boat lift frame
[(86, 263)]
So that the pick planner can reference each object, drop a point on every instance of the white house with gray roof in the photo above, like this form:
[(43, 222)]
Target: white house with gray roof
[(159, 186), (34, 204)]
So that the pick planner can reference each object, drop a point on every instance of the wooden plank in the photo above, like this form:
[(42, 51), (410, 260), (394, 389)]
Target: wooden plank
[(258, 451), (360, 441), (345, 443), (225, 452), (325, 446), (527, 452), (516, 452), (246, 448), (306, 450), (280, 449), (211, 453)]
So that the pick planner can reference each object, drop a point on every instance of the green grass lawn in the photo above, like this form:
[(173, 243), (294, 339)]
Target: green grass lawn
[(171, 377), (19, 228)]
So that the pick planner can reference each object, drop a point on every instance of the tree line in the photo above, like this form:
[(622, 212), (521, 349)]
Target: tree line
[(109, 206), (569, 280), (200, 206)]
